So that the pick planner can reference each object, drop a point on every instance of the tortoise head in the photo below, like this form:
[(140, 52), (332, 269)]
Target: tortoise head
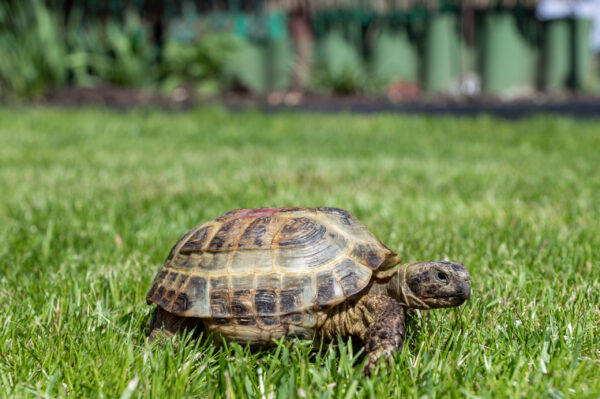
[(424, 285)]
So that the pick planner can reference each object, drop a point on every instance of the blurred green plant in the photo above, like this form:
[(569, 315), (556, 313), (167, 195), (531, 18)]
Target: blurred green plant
[(39, 50), (117, 53), (32, 52), (204, 63), (340, 68)]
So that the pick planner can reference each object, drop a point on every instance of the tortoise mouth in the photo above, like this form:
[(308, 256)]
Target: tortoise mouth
[(450, 300), (444, 302)]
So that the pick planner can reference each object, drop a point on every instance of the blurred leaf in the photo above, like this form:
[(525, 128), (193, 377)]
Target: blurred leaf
[(126, 56), (204, 60), (42, 51), (33, 52), (340, 68)]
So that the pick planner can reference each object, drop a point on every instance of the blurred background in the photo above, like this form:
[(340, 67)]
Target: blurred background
[(293, 51)]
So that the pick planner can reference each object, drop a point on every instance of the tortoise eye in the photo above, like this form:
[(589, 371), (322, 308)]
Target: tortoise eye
[(441, 276)]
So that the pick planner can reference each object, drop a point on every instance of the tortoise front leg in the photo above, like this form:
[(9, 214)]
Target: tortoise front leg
[(165, 325), (385, 336), (379, 322)]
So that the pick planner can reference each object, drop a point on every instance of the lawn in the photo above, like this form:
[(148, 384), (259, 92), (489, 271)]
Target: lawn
[(92, 200)]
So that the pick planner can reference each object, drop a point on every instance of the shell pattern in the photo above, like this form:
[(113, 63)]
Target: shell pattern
[(268, 266)]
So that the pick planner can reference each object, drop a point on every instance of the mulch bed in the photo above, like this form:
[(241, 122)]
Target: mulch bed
[(127, 98)]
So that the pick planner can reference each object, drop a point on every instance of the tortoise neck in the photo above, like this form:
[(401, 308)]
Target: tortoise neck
[(397, 288)]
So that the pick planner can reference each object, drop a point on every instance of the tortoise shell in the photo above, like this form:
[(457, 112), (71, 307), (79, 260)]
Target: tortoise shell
[(259, 265)]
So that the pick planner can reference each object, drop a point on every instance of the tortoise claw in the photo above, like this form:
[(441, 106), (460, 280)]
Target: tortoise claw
[(384, 354)]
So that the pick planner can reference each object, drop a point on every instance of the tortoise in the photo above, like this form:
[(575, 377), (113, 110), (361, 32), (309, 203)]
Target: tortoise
[(256, 275)]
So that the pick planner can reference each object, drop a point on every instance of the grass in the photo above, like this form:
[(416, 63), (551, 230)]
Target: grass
[(91, 202)]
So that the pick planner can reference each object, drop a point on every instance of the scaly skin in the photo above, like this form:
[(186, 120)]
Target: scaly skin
[(377, 320), (378, 316)]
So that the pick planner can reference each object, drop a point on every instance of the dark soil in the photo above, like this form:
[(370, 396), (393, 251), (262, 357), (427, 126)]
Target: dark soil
[(127, 98)]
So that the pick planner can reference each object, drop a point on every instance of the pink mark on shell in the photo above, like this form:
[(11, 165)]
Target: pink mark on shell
[(258, 212)]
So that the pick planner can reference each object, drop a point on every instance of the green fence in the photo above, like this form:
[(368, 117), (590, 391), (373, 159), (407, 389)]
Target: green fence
[(366, 47), (511, 52)]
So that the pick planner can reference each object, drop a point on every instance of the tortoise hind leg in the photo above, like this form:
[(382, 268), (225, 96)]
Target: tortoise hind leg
[(165, 325)]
